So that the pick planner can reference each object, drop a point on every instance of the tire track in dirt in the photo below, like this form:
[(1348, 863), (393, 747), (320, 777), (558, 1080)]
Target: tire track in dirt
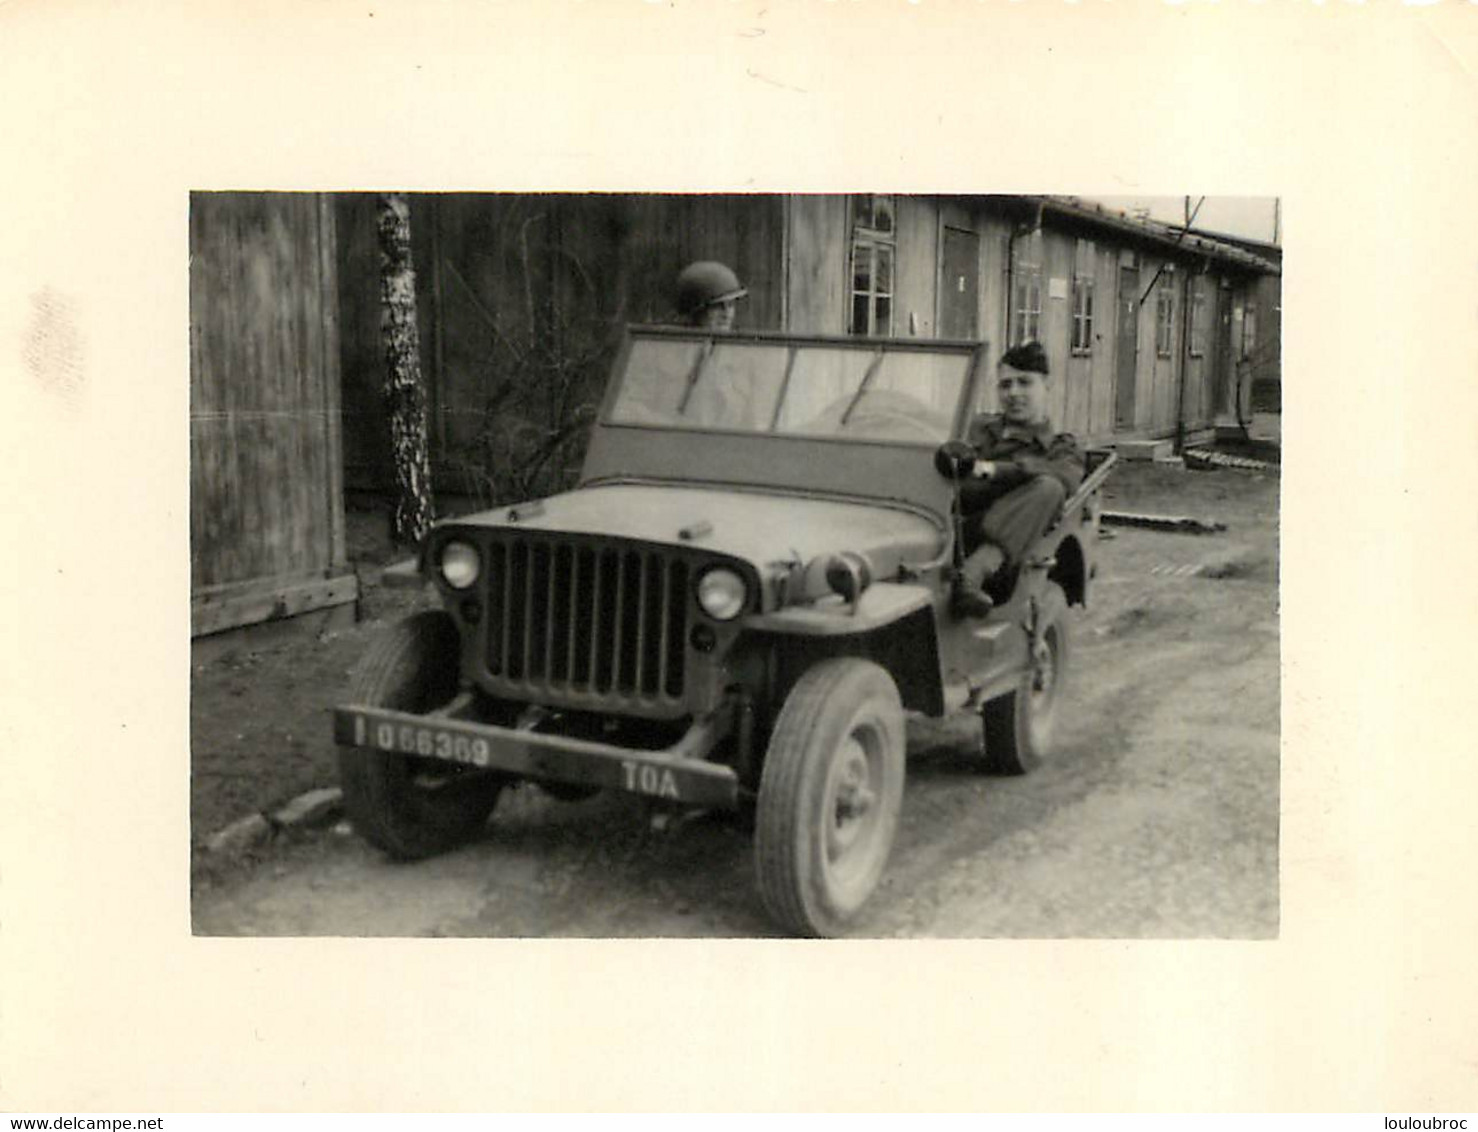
[(1159, 819)]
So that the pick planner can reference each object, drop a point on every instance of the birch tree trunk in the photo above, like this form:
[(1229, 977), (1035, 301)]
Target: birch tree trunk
[(405, 393)]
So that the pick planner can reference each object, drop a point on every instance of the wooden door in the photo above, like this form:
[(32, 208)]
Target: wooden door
[(1221, 354), (266, 496), (1127, 352), (959, 285)]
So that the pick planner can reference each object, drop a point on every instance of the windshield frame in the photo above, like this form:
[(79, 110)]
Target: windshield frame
[(972, 350)]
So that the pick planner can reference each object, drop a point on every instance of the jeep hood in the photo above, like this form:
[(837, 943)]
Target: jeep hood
[(760, 527)]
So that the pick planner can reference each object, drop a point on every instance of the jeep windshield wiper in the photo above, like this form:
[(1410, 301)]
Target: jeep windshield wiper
[(694, 374), (861, 388)]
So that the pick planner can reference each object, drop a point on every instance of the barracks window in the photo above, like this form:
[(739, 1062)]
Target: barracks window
[(1082, 337), (1165, 315), (874, 247), (1026, 290), (1198, 317)]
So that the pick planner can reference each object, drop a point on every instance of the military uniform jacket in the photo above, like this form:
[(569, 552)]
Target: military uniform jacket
[(1020, 453)]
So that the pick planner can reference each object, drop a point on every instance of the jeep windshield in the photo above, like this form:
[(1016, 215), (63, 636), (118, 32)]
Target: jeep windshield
[(889, 392)]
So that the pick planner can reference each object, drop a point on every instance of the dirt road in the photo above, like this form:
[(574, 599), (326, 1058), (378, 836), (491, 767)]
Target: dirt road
[(1158, 818)]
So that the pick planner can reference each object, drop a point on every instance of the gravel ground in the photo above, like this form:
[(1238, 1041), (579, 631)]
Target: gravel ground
[(259, 722)]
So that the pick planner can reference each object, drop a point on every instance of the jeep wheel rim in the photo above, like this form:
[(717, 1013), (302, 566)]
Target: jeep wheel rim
[(851, 809), (1042, 697), (1044, 670)]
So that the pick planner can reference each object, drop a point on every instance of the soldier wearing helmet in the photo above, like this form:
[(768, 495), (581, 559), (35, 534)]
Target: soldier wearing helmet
[(707, 292)]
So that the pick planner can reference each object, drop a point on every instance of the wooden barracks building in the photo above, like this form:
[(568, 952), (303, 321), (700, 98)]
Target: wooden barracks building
[(1138, 320), (1152, 332)]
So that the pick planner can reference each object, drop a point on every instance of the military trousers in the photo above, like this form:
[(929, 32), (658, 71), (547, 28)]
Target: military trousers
[(1010, 524)]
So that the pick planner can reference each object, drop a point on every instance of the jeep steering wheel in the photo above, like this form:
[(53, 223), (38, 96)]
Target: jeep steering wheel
[(954, 459)]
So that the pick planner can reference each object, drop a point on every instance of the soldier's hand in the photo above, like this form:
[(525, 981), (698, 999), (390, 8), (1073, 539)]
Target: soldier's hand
[(985, 468)]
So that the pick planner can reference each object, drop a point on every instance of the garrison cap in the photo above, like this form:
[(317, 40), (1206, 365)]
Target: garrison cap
[(1029, 356)]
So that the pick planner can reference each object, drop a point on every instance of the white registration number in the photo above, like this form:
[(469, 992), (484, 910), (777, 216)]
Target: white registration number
[(429, 742), (647, 779), (541, 758)]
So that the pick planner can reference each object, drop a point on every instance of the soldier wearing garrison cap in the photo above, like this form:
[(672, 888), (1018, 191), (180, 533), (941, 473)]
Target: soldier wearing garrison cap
[(1023, 473)]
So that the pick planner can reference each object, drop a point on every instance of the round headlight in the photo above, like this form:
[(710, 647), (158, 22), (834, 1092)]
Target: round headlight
[(460, 564), (721, 594)]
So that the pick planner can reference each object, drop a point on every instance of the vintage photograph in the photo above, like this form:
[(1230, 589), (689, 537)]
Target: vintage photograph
[(758, 565), (623, 557)]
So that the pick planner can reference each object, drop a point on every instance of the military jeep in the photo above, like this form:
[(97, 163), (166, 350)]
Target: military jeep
[(734, 609)]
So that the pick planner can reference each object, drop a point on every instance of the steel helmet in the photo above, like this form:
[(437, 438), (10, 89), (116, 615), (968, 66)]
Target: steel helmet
[(705, 283)]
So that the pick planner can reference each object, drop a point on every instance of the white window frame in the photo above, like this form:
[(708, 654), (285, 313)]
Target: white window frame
[(876, 243), (1081, 331), (1249, 329), (1165, 316), (1026, 292), (1198, 317)]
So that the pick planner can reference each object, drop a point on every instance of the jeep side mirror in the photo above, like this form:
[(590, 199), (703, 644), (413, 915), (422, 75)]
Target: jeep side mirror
[(954, 459)]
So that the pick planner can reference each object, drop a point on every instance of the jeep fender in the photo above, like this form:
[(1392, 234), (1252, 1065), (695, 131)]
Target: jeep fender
[(881, 604), (1071, 571), (892, 624)]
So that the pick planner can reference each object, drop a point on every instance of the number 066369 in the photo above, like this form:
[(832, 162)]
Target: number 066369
[(430, 742)]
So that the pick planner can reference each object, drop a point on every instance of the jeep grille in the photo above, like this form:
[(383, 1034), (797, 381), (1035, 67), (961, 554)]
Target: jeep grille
[(574, 621)]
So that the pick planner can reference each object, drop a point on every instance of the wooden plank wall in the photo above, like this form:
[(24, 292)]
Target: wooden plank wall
[(1080, 398), (917, 287), (994, 232), (1144, 376), (1266, 367), (994, 236), (1200, 404), (266, 493), (1105, 340), (1218, 337), (1065, 393), (494, 256), (529, 279), (816, 266), (1154, 407)]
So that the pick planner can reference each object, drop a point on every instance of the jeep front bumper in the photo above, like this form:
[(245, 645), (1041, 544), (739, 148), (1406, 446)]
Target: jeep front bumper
[(678, 773)]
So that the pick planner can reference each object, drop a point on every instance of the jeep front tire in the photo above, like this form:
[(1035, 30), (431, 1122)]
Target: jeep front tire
[(829, 795), (413, 807)]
